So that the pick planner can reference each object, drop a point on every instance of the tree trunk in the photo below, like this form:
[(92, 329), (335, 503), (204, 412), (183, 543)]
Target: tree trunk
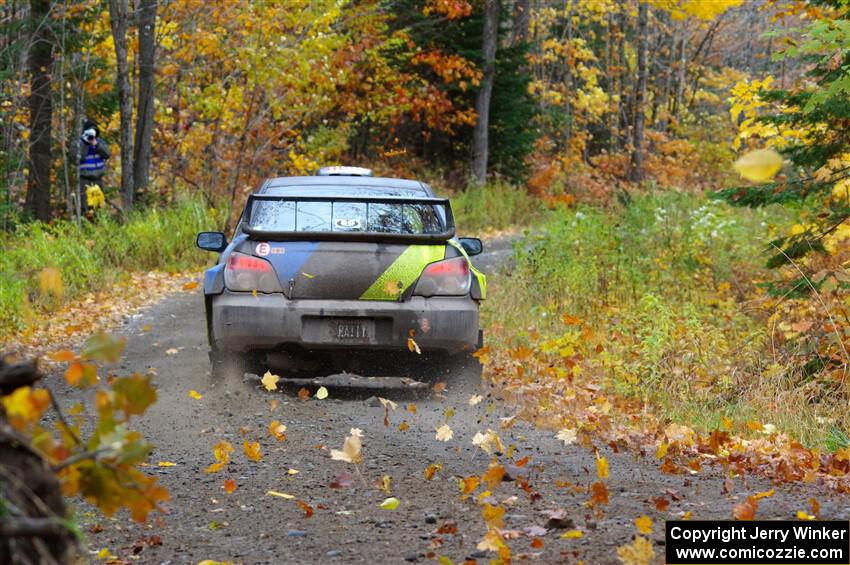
[(480, 135), (118, 18), (144, 110), (522, 21), (41, 110), (636, 170)]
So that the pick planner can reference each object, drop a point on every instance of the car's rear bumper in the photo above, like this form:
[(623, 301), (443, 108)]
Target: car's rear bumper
[(243, 322)]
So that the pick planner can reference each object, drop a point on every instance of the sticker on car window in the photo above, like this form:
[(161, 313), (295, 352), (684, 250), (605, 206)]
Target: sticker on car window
[(263, 249), (347, 223)]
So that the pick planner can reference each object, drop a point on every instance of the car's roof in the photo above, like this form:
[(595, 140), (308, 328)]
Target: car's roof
[(339, 184)]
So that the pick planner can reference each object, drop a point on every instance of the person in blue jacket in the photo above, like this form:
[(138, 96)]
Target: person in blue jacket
[(94, 153)]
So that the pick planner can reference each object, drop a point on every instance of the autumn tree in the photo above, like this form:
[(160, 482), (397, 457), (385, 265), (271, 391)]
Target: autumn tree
[(119, 21), (41, 109), (146, 25), (480, 135)]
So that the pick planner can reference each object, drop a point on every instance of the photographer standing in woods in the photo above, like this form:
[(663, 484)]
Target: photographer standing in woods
[(93, 155)]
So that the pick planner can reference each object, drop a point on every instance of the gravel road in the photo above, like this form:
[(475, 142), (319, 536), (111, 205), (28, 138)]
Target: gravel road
[(203, 522)]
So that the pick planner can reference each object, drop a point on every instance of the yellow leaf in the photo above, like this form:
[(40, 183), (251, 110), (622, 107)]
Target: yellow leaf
[(166, 464), (322, 393), (766, 494), (572, 534), (270, 381), (444, 433), (385, 483), (279, 494), (105, 554), (277, 430), (662, 451), (252, 450), (644, 524), (803, 515), (639, 552), (292, 471), (602, 467), (390, 503), (760, 165), (221, 451), (413, 346), (350, 448), (195, 394)]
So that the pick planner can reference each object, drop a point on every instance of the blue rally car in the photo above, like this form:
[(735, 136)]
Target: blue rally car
[(341, 261)]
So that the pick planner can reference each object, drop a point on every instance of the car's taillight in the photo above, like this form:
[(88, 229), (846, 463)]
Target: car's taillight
[(246, 273), (445, 278)]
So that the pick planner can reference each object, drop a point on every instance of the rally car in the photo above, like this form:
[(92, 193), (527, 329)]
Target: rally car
[(341, 261)]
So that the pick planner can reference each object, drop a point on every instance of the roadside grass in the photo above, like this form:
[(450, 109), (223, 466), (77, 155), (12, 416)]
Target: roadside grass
[(94, 256), (495, 207), (666, 286)]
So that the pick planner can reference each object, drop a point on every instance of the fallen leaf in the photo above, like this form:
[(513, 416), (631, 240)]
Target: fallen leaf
[(270, 381), (803, 515), (411, 408), (572, 534), (537, 543), (277, 430), (292, 472), (344, 480), (469, 484), (661, 503), (475, 399), (252, 450), (766, 494), (760, 165), (322, 393), (661, 453), (303, 394), (166, 464), (190, 285), (644, 524), (229, 486), (403, 427), (438, 387), (602, 467), (195, 394), (308, 510), (413, 346), (62, 356), (444, 433), (390, 503), (567, 435), (431, 470), (350, 448), (746, 510), (639, 552), (279, 494), (221, 452), (494, 475), (488, 442), (599, 493), (385, 483), (171, 351)]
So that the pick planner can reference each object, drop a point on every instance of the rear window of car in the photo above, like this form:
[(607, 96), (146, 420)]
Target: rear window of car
[(365, 217)]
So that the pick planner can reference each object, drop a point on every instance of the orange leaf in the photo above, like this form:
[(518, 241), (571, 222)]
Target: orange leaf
[(469, 484), (403, 427), (252, 450), (304, 394), (411, 408), (229, 486), (537, 543), (746, 510), (190, 285), (661, 504), (599, 493), (74, 373), (438, 387), (431, 470), (494, 475), (221, 451), (62, 356), (308, 510)]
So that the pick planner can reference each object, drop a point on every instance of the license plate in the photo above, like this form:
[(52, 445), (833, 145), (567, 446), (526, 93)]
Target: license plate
[(354, 330)]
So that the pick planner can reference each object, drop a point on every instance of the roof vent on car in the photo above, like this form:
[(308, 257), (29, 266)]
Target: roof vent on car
[(337, 171)]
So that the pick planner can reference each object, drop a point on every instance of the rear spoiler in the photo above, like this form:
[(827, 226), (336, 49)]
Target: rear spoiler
[(378, 237)]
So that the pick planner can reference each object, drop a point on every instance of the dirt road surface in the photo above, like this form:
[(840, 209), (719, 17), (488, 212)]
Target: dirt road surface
[(433, 519)]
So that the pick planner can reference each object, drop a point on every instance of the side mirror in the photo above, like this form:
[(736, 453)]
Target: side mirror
[(211, 241), (472, 245)]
